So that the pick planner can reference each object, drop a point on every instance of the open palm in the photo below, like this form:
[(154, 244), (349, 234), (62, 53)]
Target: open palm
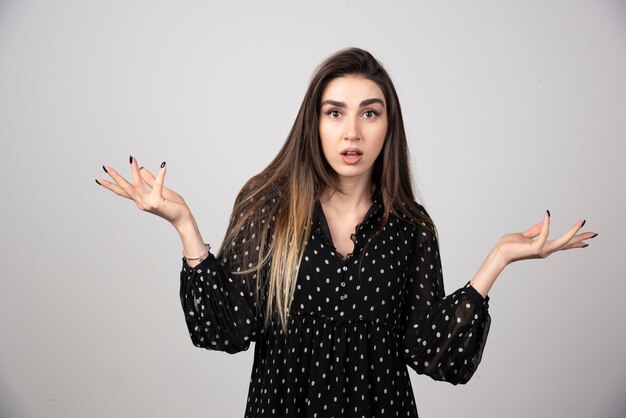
[(148, 192), (534, 243)]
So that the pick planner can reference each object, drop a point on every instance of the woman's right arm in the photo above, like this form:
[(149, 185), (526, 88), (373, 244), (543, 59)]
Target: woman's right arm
[(160, 201), (219, 312)]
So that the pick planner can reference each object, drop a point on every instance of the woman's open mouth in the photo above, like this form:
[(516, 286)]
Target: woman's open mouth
[(351, 156)]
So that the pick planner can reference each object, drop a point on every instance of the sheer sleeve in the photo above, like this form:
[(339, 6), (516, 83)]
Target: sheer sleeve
[(443, 336), (220, 309)]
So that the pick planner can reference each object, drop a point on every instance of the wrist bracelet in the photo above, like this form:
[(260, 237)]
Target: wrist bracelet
[(200, 258)]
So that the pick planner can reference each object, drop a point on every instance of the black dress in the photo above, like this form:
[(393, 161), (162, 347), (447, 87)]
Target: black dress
[(354, 324)]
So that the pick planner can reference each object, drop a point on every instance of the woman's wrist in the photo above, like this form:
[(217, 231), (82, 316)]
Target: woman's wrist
[(194, 248), (499, 257), (489, 271), (185, 224), (199, 258)]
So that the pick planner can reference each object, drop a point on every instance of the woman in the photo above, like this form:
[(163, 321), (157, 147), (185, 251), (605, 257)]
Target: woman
[(331, 266)]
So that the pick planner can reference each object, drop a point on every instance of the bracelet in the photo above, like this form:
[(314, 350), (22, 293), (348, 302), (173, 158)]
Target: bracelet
[(200, 258)]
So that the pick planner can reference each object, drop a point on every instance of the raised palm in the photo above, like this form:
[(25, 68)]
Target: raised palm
[(534, 243), (148, 192)]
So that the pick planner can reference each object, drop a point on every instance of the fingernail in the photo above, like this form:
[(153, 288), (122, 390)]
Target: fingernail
[(585, 246), (594, 235), (548, 213), (130, 159), (98, 182), (163, 164), (583, 224), (105, 169), (141, 168)]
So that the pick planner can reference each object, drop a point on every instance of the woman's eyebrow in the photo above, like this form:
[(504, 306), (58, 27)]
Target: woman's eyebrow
[(364, 103)]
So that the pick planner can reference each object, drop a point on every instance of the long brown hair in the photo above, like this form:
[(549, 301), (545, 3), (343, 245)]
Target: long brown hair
[(273, 211)]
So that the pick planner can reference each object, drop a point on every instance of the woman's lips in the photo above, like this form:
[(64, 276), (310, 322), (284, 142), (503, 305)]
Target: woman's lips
[(351, 156)]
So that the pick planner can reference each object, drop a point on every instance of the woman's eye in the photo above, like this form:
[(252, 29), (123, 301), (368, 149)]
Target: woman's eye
[(370, 114), (333, 113)]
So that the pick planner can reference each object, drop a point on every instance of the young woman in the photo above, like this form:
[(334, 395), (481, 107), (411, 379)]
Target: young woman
[(331, 266)]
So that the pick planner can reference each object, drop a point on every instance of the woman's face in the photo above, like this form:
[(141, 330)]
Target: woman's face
[(352, 125)]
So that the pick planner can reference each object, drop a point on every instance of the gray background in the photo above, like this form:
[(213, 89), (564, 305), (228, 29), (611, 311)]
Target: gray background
[(511, 108)]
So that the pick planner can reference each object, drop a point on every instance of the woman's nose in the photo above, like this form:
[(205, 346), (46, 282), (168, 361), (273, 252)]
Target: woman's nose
[(351, 129)]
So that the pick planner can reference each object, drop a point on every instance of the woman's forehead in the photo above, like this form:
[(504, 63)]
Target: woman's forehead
[(352, 90)]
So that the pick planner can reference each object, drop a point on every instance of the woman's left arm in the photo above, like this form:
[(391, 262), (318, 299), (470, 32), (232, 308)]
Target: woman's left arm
[(444, 336), (529, 244)]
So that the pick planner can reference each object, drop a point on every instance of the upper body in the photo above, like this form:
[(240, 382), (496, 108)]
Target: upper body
[(356, 322)]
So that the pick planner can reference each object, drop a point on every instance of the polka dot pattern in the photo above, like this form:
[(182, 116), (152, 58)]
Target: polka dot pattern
[(355, 323)]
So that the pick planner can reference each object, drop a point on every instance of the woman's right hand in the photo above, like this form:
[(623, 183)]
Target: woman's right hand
[(158, 200)]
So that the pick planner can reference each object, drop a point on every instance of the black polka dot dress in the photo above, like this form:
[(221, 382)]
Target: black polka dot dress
[(355, 323)]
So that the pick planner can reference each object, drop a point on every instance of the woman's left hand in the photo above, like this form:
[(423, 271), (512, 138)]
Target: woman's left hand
[(534, 242)]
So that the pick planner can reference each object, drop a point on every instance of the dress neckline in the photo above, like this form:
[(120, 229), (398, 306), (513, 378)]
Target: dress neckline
[(321, 224)]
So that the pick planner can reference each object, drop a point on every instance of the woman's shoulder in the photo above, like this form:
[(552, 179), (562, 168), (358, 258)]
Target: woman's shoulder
[(413, 213), (415, 218), (256, 202)]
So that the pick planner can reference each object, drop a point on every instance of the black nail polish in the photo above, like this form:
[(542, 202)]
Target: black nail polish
[(163, 164), (105, 169), (548, 213), (594, 235), (585, 246), (583, 224), (98, 182), (130, 159), (141, 168)]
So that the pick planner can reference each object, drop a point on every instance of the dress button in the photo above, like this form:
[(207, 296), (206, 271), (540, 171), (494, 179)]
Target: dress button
[(345, 268)]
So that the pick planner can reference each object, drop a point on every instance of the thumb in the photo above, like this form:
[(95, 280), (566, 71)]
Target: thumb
[(158, 182)]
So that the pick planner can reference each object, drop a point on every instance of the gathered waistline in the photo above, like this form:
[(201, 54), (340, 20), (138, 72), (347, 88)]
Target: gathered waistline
[(343, 321)]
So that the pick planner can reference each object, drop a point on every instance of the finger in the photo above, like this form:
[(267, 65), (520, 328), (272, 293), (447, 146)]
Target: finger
[(566, 238), (582, 237), (570, 245), (134, 171), (578, 241), (158, 182), (121, 182), (149, 179), (533, 231), (113, 187), (147, 176), (545, 230)]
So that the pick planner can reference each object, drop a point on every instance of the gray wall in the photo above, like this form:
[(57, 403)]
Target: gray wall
[(511, 108)]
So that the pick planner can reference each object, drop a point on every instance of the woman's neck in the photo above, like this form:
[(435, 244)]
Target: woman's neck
[(356, 193)]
